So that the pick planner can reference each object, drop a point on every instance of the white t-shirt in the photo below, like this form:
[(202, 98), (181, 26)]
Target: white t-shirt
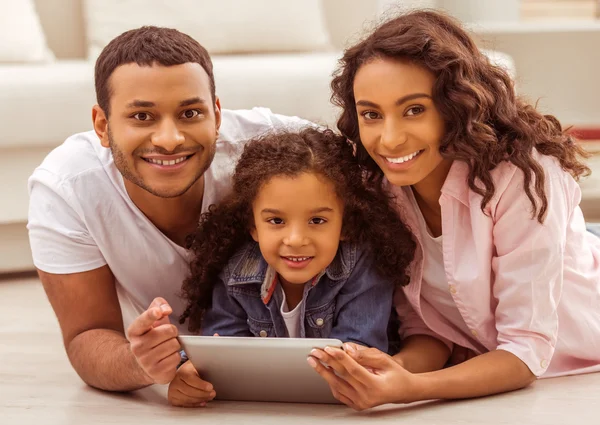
[(291, 318), (435, 288), (82, 218)]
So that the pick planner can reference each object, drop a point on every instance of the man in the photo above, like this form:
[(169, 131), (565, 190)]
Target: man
[(110, 209)]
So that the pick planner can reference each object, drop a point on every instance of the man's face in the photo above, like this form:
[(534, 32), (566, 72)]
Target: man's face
[(163, 126)]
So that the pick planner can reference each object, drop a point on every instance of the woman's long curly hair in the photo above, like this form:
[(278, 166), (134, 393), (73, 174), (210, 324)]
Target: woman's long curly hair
[(486, 123), (369, 215)]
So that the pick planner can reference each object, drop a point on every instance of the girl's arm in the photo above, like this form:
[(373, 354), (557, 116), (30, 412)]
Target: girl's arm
[(363, 306), (226, 317)]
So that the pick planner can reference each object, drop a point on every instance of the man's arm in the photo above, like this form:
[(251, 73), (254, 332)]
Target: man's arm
[(91, 322)]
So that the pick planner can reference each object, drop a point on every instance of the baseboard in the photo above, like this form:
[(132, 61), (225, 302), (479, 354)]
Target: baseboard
[(15, 253)]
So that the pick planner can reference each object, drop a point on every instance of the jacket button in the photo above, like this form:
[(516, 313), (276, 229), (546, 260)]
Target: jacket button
[(320, 322), (544, 364), (453, 289), (474, 333), (263, 333)]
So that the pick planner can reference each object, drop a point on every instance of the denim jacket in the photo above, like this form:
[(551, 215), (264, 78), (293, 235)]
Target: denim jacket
[(348, 301)]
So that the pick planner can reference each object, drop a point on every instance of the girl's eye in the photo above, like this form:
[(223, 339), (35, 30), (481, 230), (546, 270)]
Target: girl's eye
[(317, 220), (191, 113), (276, 221), (370, 115), (415, 110), (142, 116)]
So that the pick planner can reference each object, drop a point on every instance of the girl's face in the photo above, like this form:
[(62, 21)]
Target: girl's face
[(298, 224), (400, 127)]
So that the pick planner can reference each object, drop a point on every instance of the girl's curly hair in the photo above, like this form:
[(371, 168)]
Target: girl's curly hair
[(486, 123), (370, 218)]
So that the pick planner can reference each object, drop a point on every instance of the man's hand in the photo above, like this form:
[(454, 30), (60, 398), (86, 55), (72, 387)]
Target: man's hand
[(153, 342), (187, 388)]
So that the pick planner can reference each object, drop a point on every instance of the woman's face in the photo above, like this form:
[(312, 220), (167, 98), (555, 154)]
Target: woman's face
[(400, 127)]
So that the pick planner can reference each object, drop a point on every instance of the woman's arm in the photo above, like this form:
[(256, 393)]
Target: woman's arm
[(367, 378), (422, 353)]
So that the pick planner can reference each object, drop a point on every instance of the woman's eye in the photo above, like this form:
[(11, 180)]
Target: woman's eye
[(415, 110), (370, 115), (275, 221), (317, 220), (191, 113), (142, 116)]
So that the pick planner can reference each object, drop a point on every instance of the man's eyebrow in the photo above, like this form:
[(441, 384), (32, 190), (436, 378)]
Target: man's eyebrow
[(192, 101), (141, 104)]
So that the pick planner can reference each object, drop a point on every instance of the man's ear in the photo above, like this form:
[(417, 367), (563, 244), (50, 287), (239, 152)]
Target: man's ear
[(100, 121), (217, 114), (254, 233)]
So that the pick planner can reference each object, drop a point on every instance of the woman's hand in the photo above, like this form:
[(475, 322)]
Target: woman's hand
[(364, 378), (187, 389)]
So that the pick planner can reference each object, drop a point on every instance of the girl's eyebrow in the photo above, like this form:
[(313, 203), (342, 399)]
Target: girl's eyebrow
[(315, 211), (322, 209)]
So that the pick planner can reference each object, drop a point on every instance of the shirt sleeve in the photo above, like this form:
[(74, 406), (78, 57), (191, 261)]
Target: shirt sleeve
[(226, 316), (528, 269), (60, 242), (411, 323), (284, 122)]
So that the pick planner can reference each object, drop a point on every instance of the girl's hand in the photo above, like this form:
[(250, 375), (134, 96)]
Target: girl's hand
[(187, 389), (364, 378)]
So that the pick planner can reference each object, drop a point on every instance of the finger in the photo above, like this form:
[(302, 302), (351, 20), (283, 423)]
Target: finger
[(372, 358), (165, 370), (179, 400), (339, 388), (143, 344), (352, 346), (193, 393), (145, 321), (160, 352), (346, 367)]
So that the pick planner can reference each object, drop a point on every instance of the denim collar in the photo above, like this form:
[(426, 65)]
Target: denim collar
[(248, 265)]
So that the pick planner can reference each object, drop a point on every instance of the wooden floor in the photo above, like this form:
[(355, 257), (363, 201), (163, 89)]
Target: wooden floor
[(37, 385)]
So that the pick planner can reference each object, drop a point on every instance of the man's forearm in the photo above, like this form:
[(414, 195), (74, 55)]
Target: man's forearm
[(103, 359), (422, 353)]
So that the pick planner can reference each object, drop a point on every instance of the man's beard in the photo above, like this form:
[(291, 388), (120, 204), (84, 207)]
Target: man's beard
[(121, 163)]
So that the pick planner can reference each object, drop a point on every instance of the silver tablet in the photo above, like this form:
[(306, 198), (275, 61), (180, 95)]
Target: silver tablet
[(259, 369)]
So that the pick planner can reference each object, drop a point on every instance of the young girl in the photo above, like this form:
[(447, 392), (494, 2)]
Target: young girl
[(504, 265), (300, 248)]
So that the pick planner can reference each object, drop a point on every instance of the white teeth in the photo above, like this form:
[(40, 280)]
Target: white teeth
[(403, 158), (297, 259), (166, 162)]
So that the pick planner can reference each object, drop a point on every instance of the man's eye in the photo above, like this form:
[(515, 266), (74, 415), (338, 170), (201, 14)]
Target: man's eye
[(142, 116), (191, 113)]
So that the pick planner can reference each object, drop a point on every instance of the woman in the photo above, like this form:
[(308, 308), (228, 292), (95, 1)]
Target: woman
[(504, 264)]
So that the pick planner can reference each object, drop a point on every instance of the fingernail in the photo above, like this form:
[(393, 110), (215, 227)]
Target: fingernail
[(208, 387), (316, 353), (165, 307), (312, 362), (330, 350), (349, 348), (203, 404)]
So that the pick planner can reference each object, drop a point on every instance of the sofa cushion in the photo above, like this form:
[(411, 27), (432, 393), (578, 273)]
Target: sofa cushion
[(21, 36), (223, 26), (44, 104)]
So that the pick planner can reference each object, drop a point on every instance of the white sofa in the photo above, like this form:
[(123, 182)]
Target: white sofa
[(42, 104)]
